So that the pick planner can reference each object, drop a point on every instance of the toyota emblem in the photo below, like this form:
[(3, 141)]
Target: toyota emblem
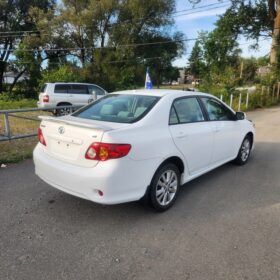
[(61, 129)]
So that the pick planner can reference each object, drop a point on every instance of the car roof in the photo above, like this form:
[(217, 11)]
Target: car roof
[(161, 92), (74, 83)]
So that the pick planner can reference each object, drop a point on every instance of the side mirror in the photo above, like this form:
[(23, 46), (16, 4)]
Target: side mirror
[(240, 116)]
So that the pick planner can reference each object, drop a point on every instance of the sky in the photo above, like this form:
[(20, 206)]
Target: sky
[(191, 23)]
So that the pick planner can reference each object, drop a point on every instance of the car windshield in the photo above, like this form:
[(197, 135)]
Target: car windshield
[(118, 108)]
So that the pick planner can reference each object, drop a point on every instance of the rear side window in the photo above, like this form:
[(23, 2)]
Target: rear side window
[(118, 108), (186, 110), (78, 89), (61, 89), (43, 88), (96, 89)]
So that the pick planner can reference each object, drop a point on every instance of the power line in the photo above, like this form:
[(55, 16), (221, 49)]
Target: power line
[(108, 47), (112, 47), (19, 31), (108, 62), (22, 33), (218, 5), (206, 10)]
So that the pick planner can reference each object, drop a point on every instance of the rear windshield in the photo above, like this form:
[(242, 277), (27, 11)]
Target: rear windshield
[(118, 108)]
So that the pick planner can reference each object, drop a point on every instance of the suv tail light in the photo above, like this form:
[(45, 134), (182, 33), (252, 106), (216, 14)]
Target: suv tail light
[(105, 151), (41, 137), (46, 98)]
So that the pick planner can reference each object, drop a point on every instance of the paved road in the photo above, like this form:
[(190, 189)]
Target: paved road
[(225, 225)]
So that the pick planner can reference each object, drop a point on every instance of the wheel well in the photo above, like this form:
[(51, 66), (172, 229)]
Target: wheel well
[(176, 161), (64, 103), (251, 136)]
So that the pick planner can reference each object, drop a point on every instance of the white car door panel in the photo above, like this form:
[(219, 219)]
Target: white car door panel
[(226, 130), (195, 142), (192, 135), (226, 139)]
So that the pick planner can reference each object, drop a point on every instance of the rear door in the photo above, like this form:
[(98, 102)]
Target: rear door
[(191, 133), (225, 127), (79, 94), (60, 94)]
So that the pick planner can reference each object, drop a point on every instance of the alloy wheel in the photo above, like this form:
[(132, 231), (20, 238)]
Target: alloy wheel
[(245, 149), (166, 187)]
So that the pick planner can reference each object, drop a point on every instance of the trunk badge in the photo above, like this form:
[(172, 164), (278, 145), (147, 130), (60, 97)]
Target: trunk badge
[(61, 129)]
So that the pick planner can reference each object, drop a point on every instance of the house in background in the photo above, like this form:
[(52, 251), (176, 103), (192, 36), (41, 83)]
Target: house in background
[(182, 76), (264, 71)]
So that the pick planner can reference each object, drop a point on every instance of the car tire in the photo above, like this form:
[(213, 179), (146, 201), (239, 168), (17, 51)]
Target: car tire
[(244, 151), (63, 111), (164, 187)]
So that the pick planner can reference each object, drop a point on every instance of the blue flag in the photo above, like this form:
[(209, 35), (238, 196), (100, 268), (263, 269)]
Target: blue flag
[(148, 82)]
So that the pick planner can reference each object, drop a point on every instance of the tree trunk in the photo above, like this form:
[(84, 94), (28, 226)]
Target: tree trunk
[(2, 70), (276, 36), (16, 79)]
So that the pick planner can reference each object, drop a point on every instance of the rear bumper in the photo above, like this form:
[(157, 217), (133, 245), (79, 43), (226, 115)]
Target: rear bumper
[(121, 180), (44, 105)]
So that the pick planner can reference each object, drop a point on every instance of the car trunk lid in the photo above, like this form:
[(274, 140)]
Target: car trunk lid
[(68, 138)]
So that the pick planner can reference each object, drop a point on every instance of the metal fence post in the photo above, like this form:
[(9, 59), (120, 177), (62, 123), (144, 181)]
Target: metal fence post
[(221, 97), (239, 102), (278, 90), (247, 100), (7, 126), (262, 95), (230, 102)]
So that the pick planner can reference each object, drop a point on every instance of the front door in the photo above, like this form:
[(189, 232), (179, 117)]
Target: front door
[(226, 130)]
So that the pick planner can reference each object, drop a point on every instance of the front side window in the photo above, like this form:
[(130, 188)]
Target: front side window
[(96, 89), (118, 108), (217, 111), (186, 110), (61, 89)]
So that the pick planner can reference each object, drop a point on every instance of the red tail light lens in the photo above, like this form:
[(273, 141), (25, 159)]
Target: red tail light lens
[(105, 151), (41, 137), (45, 98)]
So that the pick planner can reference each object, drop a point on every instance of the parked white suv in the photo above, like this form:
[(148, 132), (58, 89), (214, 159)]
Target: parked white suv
[(66, 94)]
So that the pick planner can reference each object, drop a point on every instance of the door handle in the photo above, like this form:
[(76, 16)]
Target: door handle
[(181, 134)]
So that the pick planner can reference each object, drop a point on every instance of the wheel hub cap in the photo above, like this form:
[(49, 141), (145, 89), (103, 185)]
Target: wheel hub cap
[(166, 187)]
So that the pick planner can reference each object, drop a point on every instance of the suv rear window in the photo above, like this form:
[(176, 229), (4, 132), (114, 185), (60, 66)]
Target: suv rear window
[(118, 108), (61, 89), (43, 88)]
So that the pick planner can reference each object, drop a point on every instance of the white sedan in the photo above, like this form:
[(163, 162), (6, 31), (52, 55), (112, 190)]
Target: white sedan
[(140, 144)]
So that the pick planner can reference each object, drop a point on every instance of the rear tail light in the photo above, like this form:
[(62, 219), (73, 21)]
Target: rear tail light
[(41, 137), (46, 98), (105, 151)]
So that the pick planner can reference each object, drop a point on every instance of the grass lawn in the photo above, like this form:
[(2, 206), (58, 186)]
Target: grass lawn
[(17, 150)]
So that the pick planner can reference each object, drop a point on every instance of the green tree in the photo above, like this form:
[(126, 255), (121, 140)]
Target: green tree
[(14, 21), (255, 19), (196, 62)]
